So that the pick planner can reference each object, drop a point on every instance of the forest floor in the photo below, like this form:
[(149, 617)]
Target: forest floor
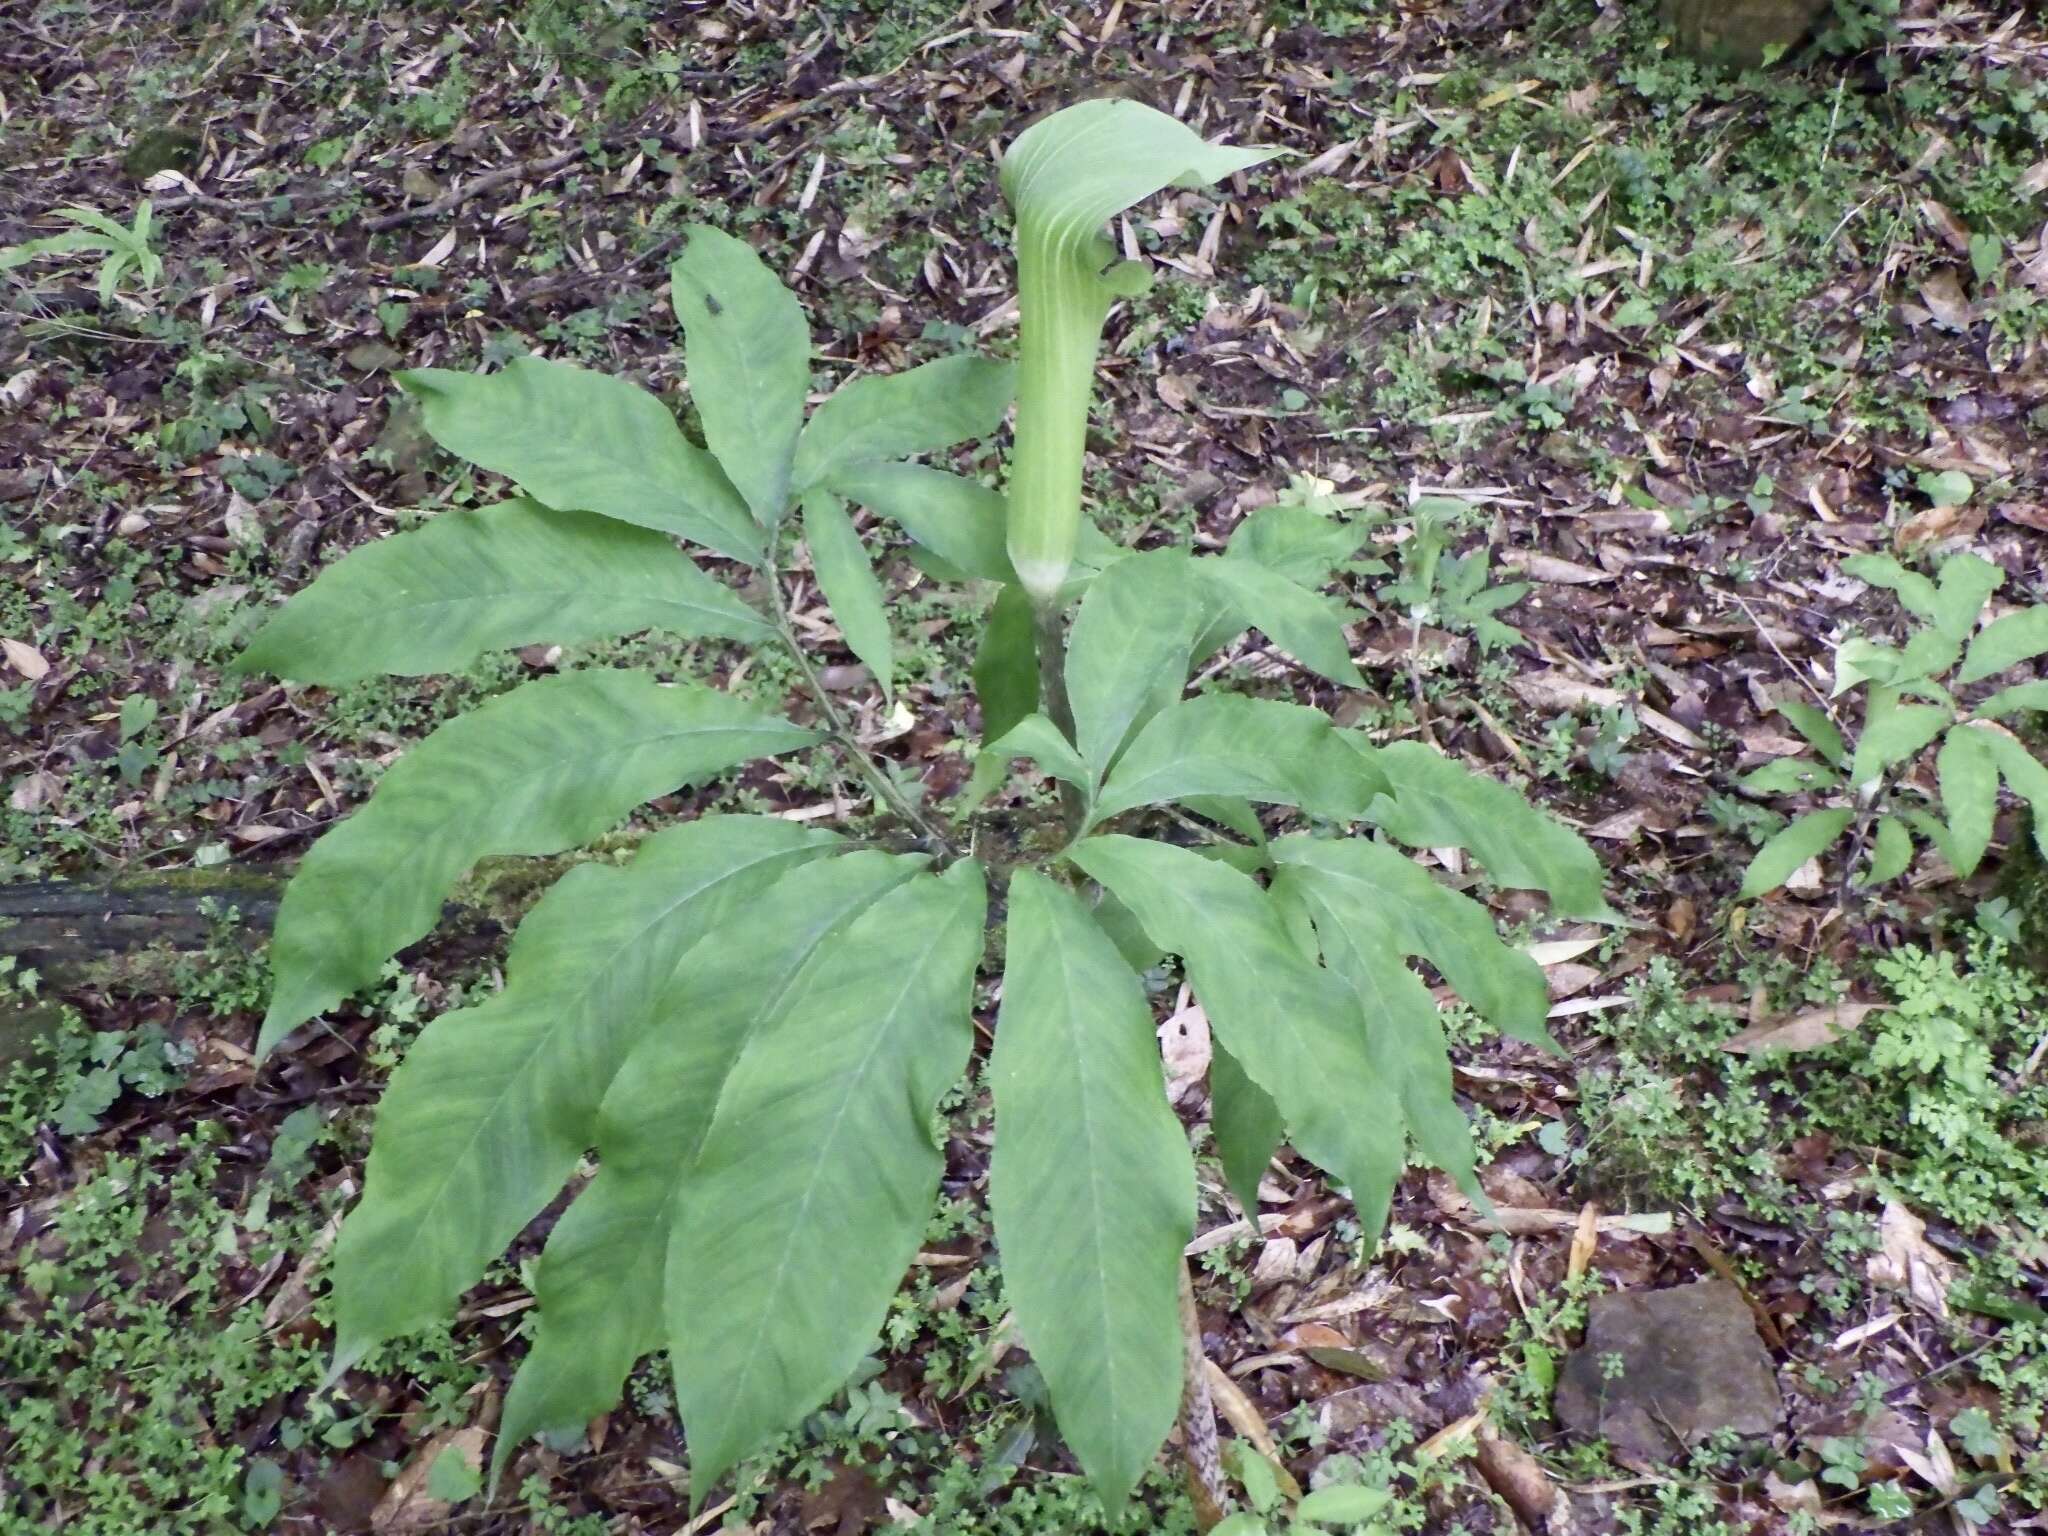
[(1529, 292)]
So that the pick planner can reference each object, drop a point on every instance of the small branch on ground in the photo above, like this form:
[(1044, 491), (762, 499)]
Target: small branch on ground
[(1199, 1447)]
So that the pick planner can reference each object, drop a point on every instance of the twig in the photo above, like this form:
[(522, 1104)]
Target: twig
[(455, 197), (1199, 1448)]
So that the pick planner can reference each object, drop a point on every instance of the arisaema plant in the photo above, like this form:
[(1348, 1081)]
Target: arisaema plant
[(752, 1023)]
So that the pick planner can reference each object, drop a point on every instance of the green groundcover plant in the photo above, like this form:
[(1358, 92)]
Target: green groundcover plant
[(753, 1022), (1883, 805)]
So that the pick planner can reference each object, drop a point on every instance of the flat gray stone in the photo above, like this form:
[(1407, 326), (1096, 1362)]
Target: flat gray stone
[(1662, 1370)]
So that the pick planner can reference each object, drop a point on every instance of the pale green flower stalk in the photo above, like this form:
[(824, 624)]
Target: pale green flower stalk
[(1065, 178)]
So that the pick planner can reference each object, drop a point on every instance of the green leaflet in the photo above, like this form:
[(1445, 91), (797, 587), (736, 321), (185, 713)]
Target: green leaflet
[(1297, 620), (579, 441), (2010, 701), (1247, 1127), (1968, 770), (892, 416), (545, 767), (1006, 664), (474, 581), (1298, 542), (2028, 778), (1892, 733), (1037, 738), (1916, 593), (1394, 906), (816, 1178), (2005, 643), (1965, 585), (1781, 856), (495, 1103), (1065, 177), (1256, 749), (1091, 1185), (1789, 776), (1814, 724), (1291, 1025), (747, 348), (1437, 804), (959, 520), (599, 1280), (849, 584), (1127, 657), (1402, 1027), (1891, 852)]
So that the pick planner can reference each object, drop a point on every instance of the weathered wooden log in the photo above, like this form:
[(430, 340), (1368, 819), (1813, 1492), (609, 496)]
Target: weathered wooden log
[(1736, 33), (68, 931), (84, 935)]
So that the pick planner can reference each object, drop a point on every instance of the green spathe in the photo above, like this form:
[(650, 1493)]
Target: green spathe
[(1065, 178)]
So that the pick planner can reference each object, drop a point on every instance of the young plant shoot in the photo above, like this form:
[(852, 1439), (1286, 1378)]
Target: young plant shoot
[(753, 1021)]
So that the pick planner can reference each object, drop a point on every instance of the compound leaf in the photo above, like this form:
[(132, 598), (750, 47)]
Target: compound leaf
[(580, 441), (599, 1280), (495, 1103), (1290, 1024), (816, 1177), (1434, 803), (1091, 1185), (1255, 749), (543, 768), (892, 416), (747, 349), (479, 580), (1781, 856), (849, 584)]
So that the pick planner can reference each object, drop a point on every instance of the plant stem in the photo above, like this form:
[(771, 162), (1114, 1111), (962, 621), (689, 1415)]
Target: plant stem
[(1199, 1449), (929, 832), (1051, 637)]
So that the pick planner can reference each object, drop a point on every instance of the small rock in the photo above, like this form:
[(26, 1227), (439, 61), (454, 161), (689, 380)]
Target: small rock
[(161, 149), (1690, 1363)]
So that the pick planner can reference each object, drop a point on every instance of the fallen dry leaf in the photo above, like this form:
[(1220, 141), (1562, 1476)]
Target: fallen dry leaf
[(1184, 1046), (1516, 1476), (1555, 572), (1907, 1262), (1808, 1031), (25, 659), (1935, 523), (1943, 295), (1585, 1240), (407, 1506)]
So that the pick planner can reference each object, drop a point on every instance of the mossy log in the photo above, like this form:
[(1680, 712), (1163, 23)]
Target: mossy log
[(1736, 33)]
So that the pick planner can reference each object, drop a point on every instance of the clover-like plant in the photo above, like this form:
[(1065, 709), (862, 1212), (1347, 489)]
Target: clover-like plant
[(1881, 803), (753, 1022)]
